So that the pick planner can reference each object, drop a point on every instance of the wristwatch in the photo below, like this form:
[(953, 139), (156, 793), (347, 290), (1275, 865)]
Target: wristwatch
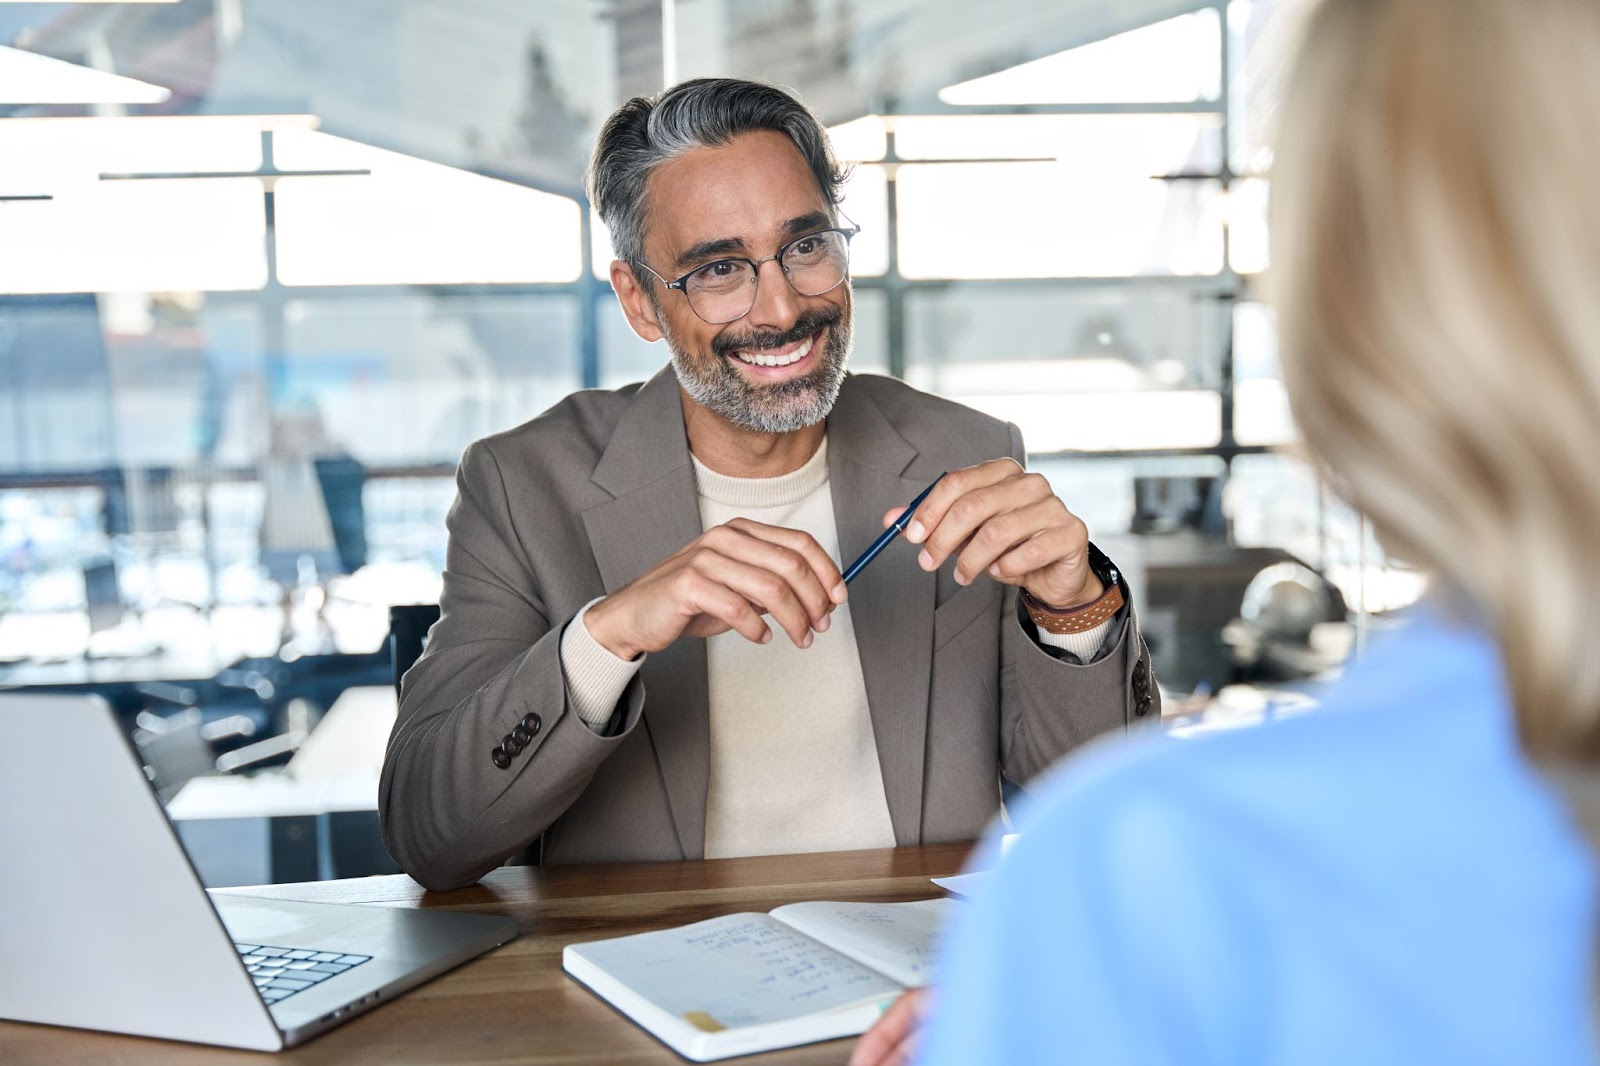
[(1085, 616)]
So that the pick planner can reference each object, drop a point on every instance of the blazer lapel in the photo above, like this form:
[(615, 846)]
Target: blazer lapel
[(654, 512), (871, 468)]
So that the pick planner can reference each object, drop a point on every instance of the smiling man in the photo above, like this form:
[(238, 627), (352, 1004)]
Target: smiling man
[(646, 650)]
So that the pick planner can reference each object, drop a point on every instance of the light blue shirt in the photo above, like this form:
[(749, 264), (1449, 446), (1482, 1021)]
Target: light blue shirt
[(1382, 881)]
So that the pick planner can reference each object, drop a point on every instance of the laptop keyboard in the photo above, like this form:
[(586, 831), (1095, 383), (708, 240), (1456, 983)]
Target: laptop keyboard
[(281, 972)]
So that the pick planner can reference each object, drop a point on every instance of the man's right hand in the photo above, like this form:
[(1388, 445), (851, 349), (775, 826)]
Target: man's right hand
[(726, 578)]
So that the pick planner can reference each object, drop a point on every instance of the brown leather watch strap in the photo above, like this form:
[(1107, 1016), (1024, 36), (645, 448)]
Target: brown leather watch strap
[(1074, 619)]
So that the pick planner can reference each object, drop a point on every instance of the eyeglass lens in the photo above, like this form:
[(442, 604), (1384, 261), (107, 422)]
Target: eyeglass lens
[(726, 290)]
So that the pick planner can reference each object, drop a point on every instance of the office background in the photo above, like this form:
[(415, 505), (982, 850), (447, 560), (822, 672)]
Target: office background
[(266, 268)]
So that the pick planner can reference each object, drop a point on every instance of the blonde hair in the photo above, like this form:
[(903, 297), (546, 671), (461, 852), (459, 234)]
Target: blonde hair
[(1436, 244)]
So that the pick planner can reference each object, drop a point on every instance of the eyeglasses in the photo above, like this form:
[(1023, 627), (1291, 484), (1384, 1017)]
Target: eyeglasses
[(725, 290)]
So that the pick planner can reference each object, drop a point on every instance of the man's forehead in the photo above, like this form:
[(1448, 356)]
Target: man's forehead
[(740, 196)]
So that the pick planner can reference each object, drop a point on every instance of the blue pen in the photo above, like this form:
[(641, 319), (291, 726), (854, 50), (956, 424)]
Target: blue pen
[(888, 535)]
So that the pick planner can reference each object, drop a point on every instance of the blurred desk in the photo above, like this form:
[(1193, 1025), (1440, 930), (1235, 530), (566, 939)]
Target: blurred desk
[(516, 1004), (188, 666), (350, 739), (313, 820)]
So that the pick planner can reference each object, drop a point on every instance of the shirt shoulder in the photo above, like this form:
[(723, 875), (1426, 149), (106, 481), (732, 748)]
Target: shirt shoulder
[(1369, 871)]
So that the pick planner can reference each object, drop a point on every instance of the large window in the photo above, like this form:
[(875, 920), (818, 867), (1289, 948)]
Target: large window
[(268, 259)]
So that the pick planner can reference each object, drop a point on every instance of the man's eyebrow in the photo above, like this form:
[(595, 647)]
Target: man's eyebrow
[(707, 249), (800, 224), (813, 220)]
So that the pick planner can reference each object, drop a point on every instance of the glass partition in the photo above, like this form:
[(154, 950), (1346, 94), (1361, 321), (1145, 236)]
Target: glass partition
[(264, 261)]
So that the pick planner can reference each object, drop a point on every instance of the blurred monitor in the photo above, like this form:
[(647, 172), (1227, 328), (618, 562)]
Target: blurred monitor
[(1174, 504), (341, 479)]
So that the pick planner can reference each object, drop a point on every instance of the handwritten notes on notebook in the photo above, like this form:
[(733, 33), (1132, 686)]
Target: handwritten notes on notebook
[(896, 939), (745, 969), (747, 982)]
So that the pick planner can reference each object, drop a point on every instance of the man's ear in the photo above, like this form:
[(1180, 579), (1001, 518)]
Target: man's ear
[(636, 302)]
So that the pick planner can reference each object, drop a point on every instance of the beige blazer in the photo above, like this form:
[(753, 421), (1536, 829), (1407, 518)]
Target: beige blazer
[(582, 500)]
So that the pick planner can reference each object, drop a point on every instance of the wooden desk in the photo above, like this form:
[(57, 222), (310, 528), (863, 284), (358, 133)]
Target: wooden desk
[(515, 1005)]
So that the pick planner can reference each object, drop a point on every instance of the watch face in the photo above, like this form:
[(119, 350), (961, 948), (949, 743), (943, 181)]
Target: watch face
[(1103, 567)]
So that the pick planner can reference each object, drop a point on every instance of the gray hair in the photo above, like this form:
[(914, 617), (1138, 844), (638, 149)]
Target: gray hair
[(704, 113)]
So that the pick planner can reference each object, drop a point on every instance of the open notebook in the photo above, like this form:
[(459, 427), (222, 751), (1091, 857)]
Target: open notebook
[(753, 982)]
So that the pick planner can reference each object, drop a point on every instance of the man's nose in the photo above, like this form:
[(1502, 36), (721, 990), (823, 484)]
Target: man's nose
[(777, 305)]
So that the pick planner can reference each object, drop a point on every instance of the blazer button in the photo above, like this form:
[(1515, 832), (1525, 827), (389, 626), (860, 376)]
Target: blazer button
[(509, 743), (532, 723), (500, 758), (521, 735)]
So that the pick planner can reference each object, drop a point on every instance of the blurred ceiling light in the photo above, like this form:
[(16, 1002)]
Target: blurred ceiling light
[(1177, 59), (30, 78)]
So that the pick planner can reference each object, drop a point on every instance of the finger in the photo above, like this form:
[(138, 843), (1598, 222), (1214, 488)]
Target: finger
[(706, 596), (973, 508), (1005, 531), (763, 589), (892, 514), (1065, 543), (906, 1053), (791, 555), (950, 500), (903, 1054), (823, 569), (887, 1034), (951, 487)]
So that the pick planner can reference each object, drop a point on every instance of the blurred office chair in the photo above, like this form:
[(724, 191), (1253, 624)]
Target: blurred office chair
[(408, 636), (1292, 625), (176, 748)]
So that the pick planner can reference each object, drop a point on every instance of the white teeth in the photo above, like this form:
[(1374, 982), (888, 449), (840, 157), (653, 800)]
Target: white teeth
[(777, 360)]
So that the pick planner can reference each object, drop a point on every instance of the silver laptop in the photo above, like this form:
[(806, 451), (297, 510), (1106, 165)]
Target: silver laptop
[(104, 924)]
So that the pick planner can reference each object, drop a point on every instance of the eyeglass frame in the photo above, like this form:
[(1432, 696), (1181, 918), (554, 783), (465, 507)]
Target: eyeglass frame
[(681, 284)]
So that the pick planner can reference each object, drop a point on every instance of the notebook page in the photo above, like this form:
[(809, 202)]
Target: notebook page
[(897, 939), (735, 971)]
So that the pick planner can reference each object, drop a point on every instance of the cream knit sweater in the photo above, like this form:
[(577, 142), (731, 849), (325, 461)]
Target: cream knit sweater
[(793, 763)]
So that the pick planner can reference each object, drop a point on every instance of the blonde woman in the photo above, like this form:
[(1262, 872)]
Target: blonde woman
[(1399, 878)]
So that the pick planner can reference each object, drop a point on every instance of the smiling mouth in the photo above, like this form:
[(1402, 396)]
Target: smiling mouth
[(780, 358)]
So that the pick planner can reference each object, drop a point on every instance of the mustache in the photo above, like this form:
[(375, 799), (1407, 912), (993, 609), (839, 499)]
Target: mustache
[(809, 322)]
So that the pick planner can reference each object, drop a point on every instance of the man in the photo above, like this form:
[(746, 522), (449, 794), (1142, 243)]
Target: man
[(646, 650)]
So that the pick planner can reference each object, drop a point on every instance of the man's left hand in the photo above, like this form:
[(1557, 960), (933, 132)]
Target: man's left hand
[(997, 518)]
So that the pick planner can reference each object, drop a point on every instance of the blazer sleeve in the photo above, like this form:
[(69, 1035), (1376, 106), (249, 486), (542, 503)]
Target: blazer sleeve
[(1050, 705), (448, 813)]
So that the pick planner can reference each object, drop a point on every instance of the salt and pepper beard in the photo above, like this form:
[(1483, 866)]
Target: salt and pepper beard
[(782, 406)]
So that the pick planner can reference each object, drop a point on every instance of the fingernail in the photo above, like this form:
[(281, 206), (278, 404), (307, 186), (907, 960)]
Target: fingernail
[(925, 561), (822, 626), (839, 593), (915, 532), (962, 579), (766, 636), (805, 641), (994, 571)]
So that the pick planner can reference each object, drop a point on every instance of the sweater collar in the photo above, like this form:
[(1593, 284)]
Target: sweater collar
[(751, 493)]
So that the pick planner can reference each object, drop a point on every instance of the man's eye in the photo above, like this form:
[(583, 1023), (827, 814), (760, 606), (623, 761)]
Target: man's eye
[(722, 268), (806, 246)]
